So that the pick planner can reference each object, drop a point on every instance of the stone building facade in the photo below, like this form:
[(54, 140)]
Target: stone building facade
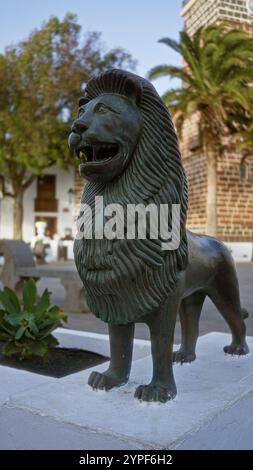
[(197, 13), (234, 172)]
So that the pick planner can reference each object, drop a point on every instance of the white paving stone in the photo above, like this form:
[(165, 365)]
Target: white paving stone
[(15, 381), (205, 389)]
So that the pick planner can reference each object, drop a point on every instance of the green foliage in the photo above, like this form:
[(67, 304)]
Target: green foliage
[(41, 80), (216, 71), (246, 137), (26, 327)]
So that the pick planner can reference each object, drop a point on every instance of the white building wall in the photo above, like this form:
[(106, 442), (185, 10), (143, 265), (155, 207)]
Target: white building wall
[(64, 181), (6, 219)]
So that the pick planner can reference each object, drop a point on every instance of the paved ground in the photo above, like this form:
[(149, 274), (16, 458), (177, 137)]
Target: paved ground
[(211, 411), (56, 434), (230, 429), (211, 320)]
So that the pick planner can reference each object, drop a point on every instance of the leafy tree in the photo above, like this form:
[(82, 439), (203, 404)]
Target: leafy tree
[(216, 71), (41, 80)]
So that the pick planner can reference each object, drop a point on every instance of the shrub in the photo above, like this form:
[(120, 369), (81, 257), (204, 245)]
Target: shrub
[(26, 326)]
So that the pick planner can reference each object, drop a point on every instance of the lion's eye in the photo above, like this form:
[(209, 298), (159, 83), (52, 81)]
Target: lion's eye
[(101, 108)]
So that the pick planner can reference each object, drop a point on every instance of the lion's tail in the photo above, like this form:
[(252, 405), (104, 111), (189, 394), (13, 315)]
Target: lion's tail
[(245, 313)]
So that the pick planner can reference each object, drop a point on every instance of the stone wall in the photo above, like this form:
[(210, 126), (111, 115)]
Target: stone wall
[(234, 198), (197, 13), (235, 10), (234, 190), (194, 162)]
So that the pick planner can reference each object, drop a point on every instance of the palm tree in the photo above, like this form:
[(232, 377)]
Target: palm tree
[(216, 71), (242, 122)]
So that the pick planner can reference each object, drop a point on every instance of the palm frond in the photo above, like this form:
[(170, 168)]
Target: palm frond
[(159, 71), (171, 43), (217, 72)]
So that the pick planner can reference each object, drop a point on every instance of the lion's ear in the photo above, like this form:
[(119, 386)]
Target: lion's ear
[(82, 101), (133, 90)]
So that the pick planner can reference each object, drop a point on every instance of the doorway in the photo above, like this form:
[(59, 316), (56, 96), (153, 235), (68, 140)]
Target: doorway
[(46, 192)]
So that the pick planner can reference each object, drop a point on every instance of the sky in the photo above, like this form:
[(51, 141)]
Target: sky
[(135, 25)]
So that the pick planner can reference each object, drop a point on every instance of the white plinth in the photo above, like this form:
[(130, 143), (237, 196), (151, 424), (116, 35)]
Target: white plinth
[(206, 388)]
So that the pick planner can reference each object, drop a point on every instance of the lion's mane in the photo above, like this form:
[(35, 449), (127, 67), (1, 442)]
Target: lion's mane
[(127, 279)]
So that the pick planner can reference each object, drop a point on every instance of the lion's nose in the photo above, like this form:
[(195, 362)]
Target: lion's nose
[(79, 126)]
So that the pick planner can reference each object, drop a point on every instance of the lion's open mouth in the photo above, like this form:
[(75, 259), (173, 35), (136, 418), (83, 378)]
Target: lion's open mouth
[(97, 152)]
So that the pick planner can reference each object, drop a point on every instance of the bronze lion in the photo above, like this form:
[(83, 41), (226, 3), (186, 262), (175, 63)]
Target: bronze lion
[(129, 154)]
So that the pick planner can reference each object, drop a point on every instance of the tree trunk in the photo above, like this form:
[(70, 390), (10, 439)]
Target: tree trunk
[(18, 213), (211, 203)]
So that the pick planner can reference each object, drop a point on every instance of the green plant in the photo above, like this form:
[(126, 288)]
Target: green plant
[(26, 327)]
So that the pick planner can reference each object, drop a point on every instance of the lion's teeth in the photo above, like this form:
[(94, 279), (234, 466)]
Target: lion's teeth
[(95, 150)]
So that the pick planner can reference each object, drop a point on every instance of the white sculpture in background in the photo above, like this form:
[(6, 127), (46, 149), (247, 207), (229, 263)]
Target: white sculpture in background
[(40, 228), (44, 240)]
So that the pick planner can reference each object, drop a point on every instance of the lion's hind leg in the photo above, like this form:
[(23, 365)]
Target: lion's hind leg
[(225, 295), (189, 313)]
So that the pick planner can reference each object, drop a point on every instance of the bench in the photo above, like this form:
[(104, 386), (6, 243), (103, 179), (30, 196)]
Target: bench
[(19, 265)]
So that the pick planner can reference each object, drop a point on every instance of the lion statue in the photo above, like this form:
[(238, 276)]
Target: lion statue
[(129, 154)]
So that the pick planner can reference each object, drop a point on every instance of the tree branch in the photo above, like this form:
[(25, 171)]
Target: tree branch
[(3, 188), (28, 182)]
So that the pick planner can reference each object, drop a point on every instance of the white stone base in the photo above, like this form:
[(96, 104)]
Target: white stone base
[(206, 388)]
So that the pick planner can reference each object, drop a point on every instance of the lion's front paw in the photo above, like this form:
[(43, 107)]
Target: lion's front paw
[(181, 356), (154, 393), (104, 381), (236, 349)]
